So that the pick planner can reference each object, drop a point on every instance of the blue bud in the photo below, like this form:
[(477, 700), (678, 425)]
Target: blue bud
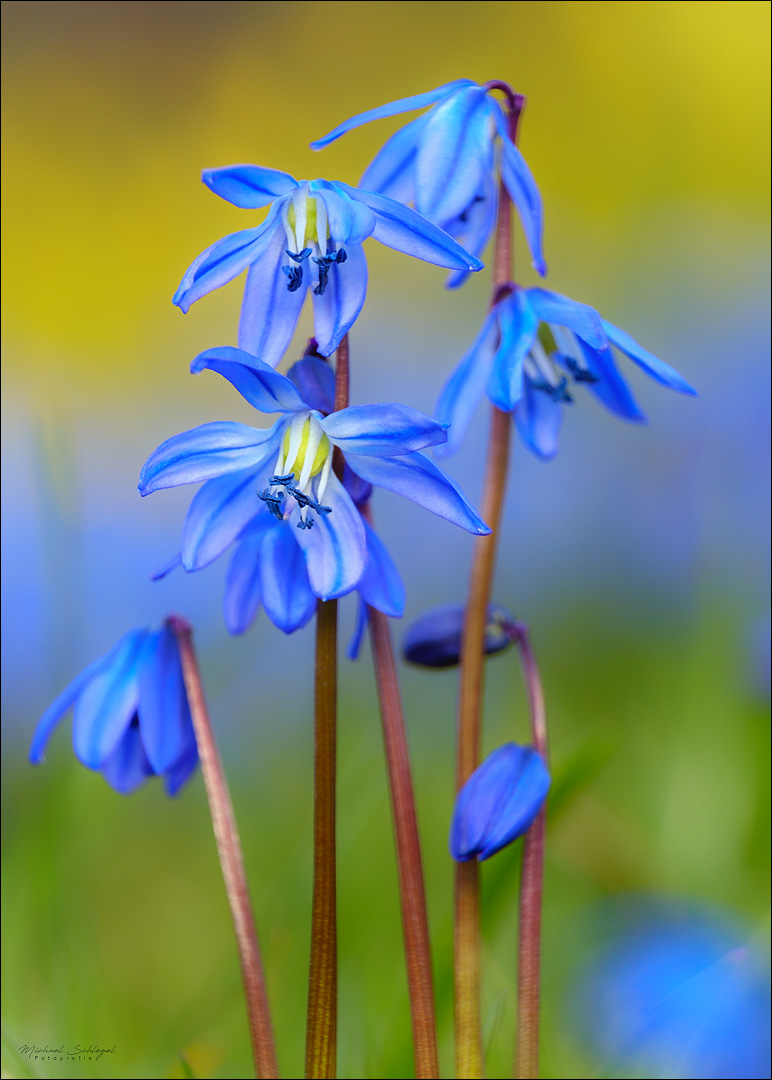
[(498, 803), (434, 639)]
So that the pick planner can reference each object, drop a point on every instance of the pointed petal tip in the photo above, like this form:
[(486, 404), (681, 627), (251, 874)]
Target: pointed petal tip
[(540, 267)]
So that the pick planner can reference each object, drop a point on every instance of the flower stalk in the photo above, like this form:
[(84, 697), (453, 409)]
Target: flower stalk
[(322, 1017), (468, 1026), (231, 858)]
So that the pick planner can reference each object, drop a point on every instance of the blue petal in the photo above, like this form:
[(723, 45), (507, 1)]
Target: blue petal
[(391, 171), (207, 451), (523, 192), (181, 771), (107, 704), (355, 644), (167, 568), (519, 324), (610, 389), (337, 308), (433, 640), (405, 230), (59, 707), (127, 765), (218, 513), (164, 715), (359, 490), (264, 388), (315, 380), (334, 549), (551, 307), (419, 479), (382, 430), (241, 601), (416, 101), (453, 154), (381, 586), (225, 260), (349, 221), (476, 227), (248, 186), (287, 597), (270, 312), (538, 420), (462, 392), (658, 370), (519, 806)]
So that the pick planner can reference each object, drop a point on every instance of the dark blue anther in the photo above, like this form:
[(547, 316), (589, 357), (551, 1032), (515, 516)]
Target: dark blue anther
[(324, 264), (282, 479), (557, 393), (307, 524), (580, 374), (300, 256), (295, 275), (273, 502)]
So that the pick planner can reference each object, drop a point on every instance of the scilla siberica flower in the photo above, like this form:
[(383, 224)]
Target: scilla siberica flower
[(534, 346), (445, 164), (498, 803), (313, 236), (287, 470), (131, 716), (433, 640)]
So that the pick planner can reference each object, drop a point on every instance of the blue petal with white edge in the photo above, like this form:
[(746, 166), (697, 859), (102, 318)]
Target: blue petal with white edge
[(405, 230), (522, 191), (453, 154), (334, 548), (382, 430), (381, 586), (315, 381), (248, 186), (520, 804), (473, 228), (518, 324), (241, 600), (225, 260), (270, 312), (336, 308), (218, 513), (127, 766), (287, 597), (391, 170), (60, 706), (264, 388), (538, 420), (466, 386), (207, 451), (419, 479), (610, 388), (551, 307), (108, 702), (658, 370), (164, 713), (416, 101)]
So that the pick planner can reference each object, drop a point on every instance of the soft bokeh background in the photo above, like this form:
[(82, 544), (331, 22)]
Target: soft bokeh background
[(639, 556)]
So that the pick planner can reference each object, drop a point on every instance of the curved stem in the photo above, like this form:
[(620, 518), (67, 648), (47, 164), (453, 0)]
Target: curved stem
[(415, 925), (231, 859)]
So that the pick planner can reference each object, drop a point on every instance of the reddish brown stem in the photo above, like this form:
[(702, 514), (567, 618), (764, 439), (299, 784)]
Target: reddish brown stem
[(231, 859)]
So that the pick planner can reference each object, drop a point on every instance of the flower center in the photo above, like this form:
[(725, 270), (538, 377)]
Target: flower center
[(302, 471), (298, 462), (307, 230)]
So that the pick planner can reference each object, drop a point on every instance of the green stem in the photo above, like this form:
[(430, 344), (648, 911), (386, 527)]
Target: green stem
[(231, 859)]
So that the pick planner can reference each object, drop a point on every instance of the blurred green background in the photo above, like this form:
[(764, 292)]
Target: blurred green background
[(639, 557)]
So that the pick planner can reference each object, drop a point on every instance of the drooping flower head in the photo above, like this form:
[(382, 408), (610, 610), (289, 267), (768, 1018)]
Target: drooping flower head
[(433, 640), (534, 348), (131, 715), (286, 473), (312, 237), (444, 163), (499, 802)]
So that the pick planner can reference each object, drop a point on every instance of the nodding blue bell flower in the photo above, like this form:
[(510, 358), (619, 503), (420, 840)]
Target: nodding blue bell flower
[(312, 237), (131, 716), (433, 640), (677, 991), (444, 163), (498, 803), (287, 470), (534, 350)]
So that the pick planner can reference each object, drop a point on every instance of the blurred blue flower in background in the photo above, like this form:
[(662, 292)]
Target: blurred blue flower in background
[(131, 716), (445, 164), (530, 345), (677, 994), (433, 640), (380, 444), (498, 803), (313, 234)]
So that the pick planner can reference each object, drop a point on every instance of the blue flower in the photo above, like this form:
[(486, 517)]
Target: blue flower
[(131, 716), (534, 347), (288, 469), (445, 164), (498, 803), (433, 640), (313, 236), (677, 993)]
